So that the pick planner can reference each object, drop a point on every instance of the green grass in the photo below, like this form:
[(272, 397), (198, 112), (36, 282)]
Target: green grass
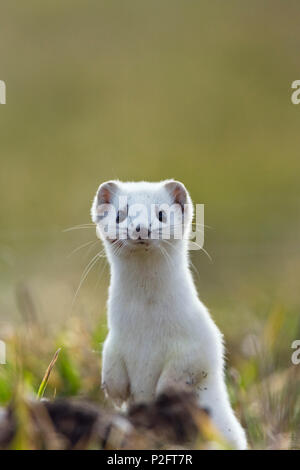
[(263, 383)]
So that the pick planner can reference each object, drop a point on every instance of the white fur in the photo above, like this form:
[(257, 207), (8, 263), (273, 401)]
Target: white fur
[(160, 333)]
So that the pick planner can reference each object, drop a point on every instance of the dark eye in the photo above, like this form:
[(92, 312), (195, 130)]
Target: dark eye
[(161, 215), (121, 215)]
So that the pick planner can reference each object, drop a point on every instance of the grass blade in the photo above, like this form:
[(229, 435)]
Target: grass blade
[(44, 382)]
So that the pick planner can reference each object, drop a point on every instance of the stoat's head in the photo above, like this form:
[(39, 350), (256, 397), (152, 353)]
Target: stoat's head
[(135, 217)]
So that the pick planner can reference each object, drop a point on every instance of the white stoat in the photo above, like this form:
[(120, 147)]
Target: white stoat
[(160, 333)]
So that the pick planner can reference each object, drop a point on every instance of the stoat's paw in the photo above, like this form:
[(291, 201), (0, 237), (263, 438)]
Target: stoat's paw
[(115, 383), (117, 399), (173, 377), (116, 388)]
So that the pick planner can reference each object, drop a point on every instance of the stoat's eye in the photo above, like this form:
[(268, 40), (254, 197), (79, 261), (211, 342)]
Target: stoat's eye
[(121, 216), (162, 216)]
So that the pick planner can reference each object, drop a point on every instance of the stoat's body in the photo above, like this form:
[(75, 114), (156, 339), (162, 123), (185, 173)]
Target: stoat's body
[(160, 333)]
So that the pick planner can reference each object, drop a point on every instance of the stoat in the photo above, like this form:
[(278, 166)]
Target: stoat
[(160, 333)]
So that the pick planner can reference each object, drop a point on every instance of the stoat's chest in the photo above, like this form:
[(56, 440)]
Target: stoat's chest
[(147, 309)]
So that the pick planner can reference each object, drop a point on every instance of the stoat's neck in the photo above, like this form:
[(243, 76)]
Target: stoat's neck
[(147, 286), (147, 265), (153, 269)]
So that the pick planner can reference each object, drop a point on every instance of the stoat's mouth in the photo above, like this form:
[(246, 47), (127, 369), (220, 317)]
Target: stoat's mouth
[(140, 242)]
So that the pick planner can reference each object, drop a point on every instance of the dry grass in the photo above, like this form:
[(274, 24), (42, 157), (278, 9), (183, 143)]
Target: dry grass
[(264, 395)]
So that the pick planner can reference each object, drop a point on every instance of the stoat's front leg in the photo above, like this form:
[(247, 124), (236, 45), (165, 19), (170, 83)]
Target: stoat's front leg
[(212, 395), (115, 381)]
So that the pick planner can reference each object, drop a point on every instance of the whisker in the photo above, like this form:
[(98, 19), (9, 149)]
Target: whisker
[(164, 252), (101, 271), (119, 247), (81, 246), (190, 261), (79, 227), (201, 225), (90, 265), (203, 249)]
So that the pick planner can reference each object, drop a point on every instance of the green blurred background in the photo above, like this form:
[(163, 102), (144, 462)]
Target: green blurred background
[(195, 90)]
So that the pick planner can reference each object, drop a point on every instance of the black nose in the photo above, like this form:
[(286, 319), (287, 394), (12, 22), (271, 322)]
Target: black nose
[(138, 228)]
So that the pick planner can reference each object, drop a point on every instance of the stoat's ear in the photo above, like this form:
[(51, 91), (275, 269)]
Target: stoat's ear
[(106, 191), (178, 192), (104, 195)]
